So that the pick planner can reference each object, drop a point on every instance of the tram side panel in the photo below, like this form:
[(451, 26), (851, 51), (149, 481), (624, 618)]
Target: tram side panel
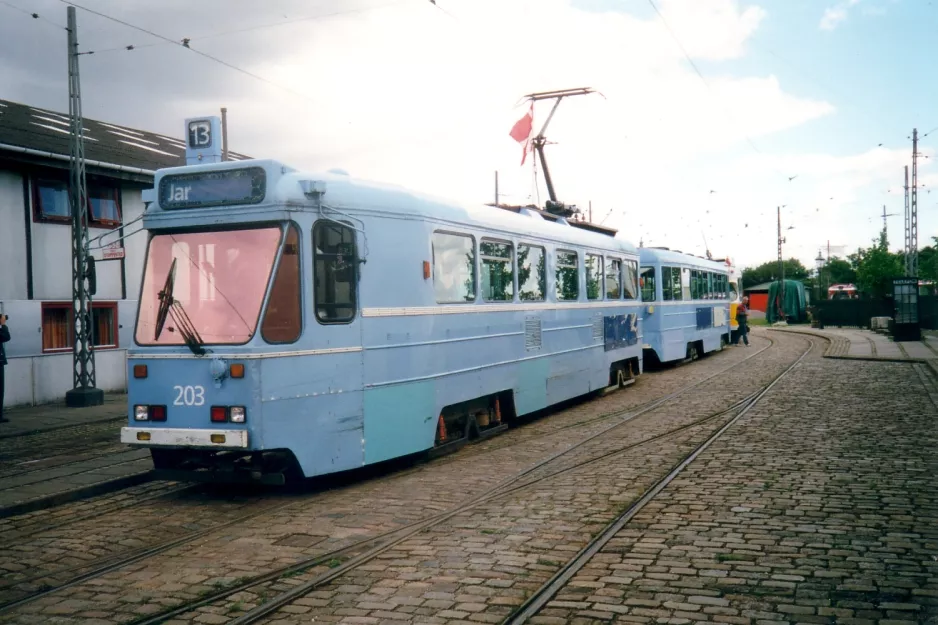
[(421, 356), (313, 406), (673, 327)]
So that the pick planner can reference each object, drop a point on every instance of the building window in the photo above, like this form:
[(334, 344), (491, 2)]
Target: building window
[(104, 325), (498, 280), (58, 327), (334, 272), (454, 261), (532, 273), (283, 321), (104, 205), (51, 201)]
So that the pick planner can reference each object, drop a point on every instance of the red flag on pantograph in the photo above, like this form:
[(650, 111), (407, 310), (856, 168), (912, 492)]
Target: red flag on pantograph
[(521, 131)]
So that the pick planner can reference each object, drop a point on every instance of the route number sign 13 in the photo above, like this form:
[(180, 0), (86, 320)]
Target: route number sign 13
[(200, 134)]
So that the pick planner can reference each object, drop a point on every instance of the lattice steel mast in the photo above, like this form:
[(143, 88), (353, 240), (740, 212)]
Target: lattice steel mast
[(83, 391)]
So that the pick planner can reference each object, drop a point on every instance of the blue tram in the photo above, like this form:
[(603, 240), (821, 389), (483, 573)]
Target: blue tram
[(295, 324), (686, 305)]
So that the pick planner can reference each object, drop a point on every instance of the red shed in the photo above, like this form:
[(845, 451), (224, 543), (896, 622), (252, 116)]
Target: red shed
[(758, 296)]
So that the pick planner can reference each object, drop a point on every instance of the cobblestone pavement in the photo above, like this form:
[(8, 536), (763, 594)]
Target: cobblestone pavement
[(484, 562), (40, 450), (327, 521), (820, 506)]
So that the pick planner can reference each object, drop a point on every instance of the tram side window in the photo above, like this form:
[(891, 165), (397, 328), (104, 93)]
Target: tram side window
[(675, 283), (666, 290), (613, 273), (567, 276), (283, 320), (648, 284), (685, 283), (532, 273), (630, 280), (334, 272), (498, 272), (594, 272), (454, 262), (694, 284)]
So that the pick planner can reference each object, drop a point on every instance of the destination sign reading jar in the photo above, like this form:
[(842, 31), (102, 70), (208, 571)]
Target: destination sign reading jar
[(213, 188)]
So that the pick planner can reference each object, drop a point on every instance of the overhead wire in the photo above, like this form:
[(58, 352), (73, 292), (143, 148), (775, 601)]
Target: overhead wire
[(247, 29), (185, 44), (31, 14)]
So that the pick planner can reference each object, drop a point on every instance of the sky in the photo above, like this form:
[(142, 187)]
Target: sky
[(711, 114)]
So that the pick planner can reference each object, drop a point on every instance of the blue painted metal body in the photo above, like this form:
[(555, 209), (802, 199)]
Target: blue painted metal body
[(670, 326), (346, 395)]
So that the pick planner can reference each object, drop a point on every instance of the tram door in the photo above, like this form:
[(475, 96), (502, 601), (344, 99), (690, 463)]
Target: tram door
[(319, 385)]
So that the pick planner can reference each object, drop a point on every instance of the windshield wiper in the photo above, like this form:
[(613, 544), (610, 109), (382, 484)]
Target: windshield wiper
[(187, 329), (169, 305), (166, 300)]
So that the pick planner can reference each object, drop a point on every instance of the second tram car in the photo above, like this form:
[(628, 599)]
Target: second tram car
[(309, 324), (686, 303)]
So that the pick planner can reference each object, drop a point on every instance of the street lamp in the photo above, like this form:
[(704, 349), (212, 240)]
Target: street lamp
[(819, 261)]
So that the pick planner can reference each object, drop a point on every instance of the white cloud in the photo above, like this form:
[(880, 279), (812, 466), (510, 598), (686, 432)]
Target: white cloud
[(410, 95), (834, 15)]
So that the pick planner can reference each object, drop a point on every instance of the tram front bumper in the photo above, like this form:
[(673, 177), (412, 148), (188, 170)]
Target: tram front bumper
[(184, 437)]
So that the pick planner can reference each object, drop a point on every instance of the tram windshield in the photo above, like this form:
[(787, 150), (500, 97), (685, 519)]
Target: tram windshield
[(217, 281)]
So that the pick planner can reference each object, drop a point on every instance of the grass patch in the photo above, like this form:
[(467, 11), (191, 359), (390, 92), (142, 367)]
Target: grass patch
[(758, 322), (733, 557)]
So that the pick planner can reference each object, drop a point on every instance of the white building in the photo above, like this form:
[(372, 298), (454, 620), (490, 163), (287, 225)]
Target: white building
[(35, 244)]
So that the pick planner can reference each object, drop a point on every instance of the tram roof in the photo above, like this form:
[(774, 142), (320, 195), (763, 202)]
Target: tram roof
[(657, 255), (347, 193)]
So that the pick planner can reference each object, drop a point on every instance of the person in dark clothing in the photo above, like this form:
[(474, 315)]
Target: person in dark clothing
[(4, 337), (742, 318)]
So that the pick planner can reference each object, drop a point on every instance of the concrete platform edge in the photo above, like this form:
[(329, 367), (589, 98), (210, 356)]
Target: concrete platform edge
[(92, 490), (830, 342)]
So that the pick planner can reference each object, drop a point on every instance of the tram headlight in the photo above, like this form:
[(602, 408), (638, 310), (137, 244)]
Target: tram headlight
[(236, 413), (141, 413)]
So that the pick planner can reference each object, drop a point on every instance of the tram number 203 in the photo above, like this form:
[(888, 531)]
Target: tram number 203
[(189, 395)]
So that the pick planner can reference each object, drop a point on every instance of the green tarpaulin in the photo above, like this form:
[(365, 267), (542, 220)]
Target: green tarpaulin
[(794, 304)]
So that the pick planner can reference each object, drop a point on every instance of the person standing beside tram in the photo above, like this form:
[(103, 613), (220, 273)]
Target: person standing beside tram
[(742, 318), (4, 337)]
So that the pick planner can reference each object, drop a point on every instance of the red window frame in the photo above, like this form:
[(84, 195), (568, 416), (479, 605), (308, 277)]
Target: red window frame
[(67, 306)]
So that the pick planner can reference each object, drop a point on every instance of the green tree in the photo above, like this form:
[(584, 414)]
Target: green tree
[(768, 272), (876, 267), (928, 261), (839, 271)]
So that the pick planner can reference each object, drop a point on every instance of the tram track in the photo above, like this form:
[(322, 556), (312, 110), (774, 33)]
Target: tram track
[(545, 593), (105, 565), (11, 535), (375, 545), (341, 561), (496, 444)]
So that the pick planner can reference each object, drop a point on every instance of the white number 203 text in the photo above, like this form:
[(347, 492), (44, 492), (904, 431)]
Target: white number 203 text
[(189, 395)]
